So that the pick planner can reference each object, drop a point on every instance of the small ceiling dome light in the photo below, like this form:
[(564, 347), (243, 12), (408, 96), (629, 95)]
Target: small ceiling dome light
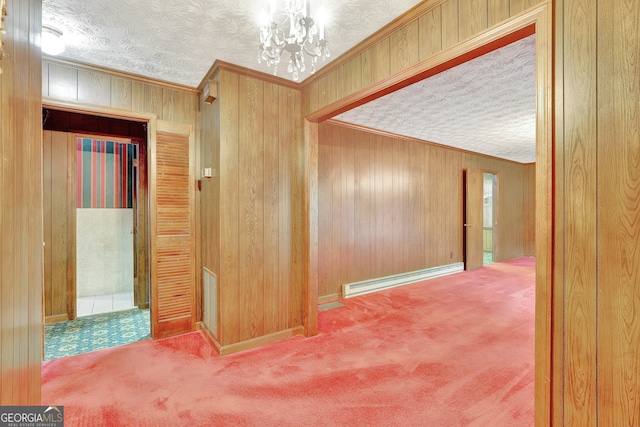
[(52, 43)]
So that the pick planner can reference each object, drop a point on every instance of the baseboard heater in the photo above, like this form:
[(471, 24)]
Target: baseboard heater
[(380, 283)]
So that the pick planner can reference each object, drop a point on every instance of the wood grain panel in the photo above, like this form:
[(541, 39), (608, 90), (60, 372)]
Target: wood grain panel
[(450, 23), (618, 189), (404, 47), (473, 17), (430, 27), (260, 221), (497, 11), (286, 182), (580, 133), (529, 191), (251, 200), (229, 209), (45, 78), (153, 100), (271, 208), (121, 93), (63, 82), (94, 88), (380, 60), (367, 69), (172, 242), (390, 205), (518, 6), (21, 208)]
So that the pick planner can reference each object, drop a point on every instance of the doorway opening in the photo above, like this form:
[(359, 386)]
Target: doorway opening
[(489, 222), (96, 287)]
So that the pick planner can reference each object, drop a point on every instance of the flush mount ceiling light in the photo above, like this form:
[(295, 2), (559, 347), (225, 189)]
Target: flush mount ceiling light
[(294, 31), (52, 43)]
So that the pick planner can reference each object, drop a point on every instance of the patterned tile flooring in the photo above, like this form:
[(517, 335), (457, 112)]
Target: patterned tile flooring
[(488, 258), (95, 332)]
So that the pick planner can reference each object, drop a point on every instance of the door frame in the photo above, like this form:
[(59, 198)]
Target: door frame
[(144, 217), (537, 20)]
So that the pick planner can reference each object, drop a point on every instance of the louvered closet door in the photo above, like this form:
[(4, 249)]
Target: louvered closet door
[(172, 230)]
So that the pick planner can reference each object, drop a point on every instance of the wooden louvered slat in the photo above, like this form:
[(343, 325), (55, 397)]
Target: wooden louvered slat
[(173, 246)]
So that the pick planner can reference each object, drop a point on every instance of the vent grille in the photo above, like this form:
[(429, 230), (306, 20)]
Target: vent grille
[(374, 285), (210, 309)]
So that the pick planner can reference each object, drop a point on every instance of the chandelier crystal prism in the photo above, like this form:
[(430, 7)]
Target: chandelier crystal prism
[(294, 32)]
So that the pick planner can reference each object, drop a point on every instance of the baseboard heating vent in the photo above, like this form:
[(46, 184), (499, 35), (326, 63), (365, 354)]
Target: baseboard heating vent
[(210, 301), (373, 285)]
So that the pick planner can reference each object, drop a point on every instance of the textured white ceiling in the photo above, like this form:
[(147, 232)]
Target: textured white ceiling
[(487, 105), (178, 41)]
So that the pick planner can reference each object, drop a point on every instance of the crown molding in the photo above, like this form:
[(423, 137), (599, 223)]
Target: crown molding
[(116, 73), (411, 15), (226, 66)]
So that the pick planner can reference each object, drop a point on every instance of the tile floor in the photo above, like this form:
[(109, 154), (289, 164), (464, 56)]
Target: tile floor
[(104, 303)]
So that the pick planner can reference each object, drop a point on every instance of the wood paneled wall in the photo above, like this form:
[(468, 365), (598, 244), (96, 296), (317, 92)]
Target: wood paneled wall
[(597, 175), (59, 152), (21, 206), (252, 231), (423, 32), (392, 205), (68, 81)]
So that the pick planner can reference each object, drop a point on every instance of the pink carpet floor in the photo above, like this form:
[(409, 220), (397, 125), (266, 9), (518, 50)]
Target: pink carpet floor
[(452, 351)]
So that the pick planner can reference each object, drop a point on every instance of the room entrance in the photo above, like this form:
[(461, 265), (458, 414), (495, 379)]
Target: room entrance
[(94, 197)]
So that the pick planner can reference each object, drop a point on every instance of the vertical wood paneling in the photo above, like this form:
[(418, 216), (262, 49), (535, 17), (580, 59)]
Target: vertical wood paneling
[(380, 59), (529, 191), (251, 199), (94, 87), (59, 152), (286, 183), (21, 209), (430, 28), (121, 93), (498, 11), (580, 135), (303, 186), (450, 23), (325, 211), (389, 205), (229, 209), (137, 96), (46, 217), (404, 47), (153, 100), (63, 82), (271, 208), (517, 6), (618, 190), (45, 79), (473, 17), (367, 69), (59, 224)]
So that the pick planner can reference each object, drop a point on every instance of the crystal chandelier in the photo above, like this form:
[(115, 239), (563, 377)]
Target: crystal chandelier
[(294, 32)]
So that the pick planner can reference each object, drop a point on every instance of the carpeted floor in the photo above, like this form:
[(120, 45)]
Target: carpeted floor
[(452, 351), (95, 332)]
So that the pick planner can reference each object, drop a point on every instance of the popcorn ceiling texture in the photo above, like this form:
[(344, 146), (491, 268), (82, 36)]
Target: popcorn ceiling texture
[(487, 105), (178, 41)]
